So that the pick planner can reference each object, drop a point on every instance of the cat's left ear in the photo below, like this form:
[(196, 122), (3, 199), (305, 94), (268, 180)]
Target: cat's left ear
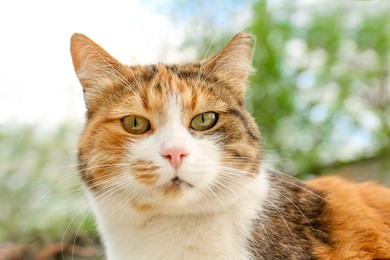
[(233, 63), (96, 69)]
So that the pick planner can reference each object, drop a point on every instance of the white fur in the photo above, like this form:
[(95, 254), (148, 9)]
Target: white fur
[(203, 222), (128, 234)]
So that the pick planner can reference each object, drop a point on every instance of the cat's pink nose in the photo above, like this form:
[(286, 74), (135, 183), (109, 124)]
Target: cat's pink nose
[(175, 154)]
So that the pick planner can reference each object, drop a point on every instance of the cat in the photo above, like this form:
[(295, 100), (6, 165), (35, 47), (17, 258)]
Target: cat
[(171, 162)]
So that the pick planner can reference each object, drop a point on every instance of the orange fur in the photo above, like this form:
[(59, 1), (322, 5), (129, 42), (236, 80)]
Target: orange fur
[(359, 218), (141, 207), (145, 172)]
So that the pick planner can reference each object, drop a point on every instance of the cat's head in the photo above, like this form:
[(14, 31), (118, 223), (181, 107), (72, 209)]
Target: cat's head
[(167, 138)]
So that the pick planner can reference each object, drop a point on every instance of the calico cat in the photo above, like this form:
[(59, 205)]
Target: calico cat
[(171, 162)]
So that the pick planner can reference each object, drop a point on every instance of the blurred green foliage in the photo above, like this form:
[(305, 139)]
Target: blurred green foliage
[(322, 92), (40, 195)]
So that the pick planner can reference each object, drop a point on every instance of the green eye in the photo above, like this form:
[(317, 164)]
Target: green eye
[(136, 124), (204, 121)]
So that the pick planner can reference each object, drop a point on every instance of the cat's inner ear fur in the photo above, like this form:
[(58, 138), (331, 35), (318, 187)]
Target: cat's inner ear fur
[(96, 69), (233, 63)]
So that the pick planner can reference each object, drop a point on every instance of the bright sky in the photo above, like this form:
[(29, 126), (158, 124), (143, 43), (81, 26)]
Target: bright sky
[(37, 81)]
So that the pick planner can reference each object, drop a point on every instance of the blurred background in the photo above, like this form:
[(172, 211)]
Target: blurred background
[(320, 94)]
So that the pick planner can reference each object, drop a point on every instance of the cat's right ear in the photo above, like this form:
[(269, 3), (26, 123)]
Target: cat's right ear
[(96, 69), (234, 62)]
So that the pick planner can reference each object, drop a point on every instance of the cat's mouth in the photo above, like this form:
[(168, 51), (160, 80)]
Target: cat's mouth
[(175, 186), (176, 181)]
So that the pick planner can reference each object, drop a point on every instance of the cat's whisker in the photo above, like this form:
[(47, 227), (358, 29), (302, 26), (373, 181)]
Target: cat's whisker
[(103, 181), (296, 182), (58, 207), (230, 173), (57, 184), (120, 183), (238, 172), (107, 165), (78, 231), (282, 217), (223, 188), (230, 178), (304, 188), (78, 190), (67, 228), (295, 205), (205, 55), (246, 185), (214, 195)]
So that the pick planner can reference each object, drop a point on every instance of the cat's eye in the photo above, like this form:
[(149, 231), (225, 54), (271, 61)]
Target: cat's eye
[(136, 124), (204, 121)]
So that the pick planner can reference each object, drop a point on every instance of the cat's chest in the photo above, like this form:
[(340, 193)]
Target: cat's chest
[(180, 238), (214, 234)]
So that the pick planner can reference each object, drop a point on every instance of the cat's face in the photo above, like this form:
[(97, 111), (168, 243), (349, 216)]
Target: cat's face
[(168, 138)]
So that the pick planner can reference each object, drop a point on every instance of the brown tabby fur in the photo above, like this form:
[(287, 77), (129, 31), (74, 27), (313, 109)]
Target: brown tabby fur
[(326, 218)]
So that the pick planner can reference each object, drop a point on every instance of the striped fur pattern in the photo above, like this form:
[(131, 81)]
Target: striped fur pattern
[(213, 201)]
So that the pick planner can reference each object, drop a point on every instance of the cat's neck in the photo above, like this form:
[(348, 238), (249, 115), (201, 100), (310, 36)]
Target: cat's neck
[(129, 234)]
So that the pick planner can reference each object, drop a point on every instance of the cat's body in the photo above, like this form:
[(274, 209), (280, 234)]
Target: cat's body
[(172, 164)]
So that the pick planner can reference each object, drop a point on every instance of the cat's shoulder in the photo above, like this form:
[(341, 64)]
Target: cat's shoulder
[(339, 191), (327, 218), (358, 217)]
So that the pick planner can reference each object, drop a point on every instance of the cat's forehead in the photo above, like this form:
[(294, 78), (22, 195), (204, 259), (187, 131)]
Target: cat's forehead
[(148, 89), (156, 83), (171, 75)]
